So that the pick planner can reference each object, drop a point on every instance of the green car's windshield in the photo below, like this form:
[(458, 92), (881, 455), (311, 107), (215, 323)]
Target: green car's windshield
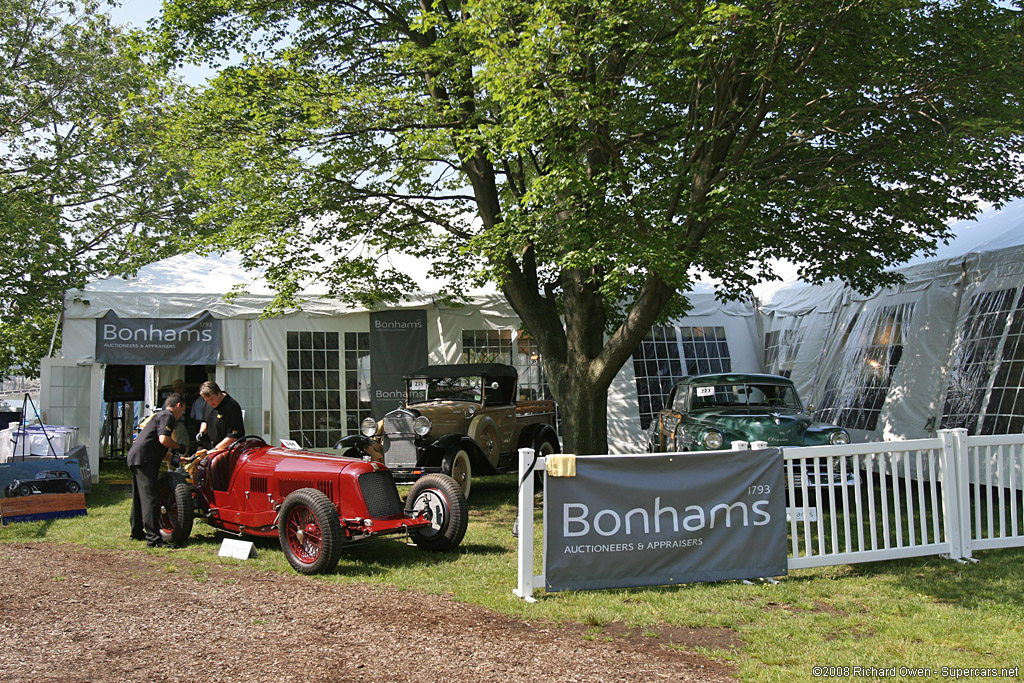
[(423, 389), (757, 396)]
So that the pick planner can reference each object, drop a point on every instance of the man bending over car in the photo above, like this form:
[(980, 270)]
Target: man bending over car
[(151, 447), (222, 419)]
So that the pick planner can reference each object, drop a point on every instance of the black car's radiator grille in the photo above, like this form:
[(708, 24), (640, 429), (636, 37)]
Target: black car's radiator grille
[(401, 441), (380, 494)]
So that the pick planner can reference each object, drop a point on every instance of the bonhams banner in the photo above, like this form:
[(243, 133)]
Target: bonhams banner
[(398, 346), (158, 341), (665, 519)]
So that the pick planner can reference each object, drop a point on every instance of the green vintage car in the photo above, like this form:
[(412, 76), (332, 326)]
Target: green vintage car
[(710, 412)]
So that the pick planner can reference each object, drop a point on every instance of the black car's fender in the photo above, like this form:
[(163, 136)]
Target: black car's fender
[(535, 434), (354, 441), (450, 442)]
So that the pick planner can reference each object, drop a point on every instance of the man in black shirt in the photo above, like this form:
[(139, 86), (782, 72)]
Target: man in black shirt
[(222, 422), (151, 447)]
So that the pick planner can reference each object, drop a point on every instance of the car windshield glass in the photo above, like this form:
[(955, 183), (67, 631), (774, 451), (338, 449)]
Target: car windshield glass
[(751, 395), (445, 389)]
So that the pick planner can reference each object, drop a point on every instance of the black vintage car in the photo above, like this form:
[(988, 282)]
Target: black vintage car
[(47, 481)]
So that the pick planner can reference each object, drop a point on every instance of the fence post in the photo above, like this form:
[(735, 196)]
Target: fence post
[(953, 505), (963, 491), (524, 523)]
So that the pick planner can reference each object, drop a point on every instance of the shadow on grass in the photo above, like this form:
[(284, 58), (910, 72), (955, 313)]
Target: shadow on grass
[(991, 583)]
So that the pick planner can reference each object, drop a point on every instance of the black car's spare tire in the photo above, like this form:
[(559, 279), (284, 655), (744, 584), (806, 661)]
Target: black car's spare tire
[(439, 498), (310, 532), (177, 508)]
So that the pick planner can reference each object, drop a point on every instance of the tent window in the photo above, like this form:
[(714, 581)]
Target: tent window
[(496, 346), (974, 357), (533, 385), (780, 350), (357, 379), (487, 346), (667, 354), (1004, 412), (872, 348), (314, 388)]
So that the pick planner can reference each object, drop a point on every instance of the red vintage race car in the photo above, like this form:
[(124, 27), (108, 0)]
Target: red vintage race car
[(314, 503)]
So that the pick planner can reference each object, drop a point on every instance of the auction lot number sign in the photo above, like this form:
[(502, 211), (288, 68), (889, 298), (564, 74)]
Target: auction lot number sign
[(665, 519)]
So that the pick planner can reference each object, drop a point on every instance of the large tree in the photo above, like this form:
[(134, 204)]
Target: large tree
[(593, 157), (82, 193)]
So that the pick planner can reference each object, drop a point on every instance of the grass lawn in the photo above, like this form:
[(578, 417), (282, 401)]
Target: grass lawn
[(924, 613)]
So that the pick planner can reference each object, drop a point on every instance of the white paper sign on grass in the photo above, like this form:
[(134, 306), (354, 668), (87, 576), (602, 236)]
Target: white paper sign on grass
[(240, 550)]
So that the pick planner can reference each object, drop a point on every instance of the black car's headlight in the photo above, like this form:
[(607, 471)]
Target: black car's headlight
[(421, 425), (712, 440), (838, 438), (368, 426)]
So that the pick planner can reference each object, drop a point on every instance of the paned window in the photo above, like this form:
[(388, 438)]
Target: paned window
[(1004, 411), (357, 380), (487, 346), (872, 348), (496, 346), (974, 358), (780, 349), (669, 353), (533, 385), (314, 389)]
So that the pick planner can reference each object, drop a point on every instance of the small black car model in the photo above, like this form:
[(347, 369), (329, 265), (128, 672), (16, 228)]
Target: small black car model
[(47, 481)]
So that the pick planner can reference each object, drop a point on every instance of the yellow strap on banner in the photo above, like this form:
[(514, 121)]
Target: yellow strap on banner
[(560, 465)]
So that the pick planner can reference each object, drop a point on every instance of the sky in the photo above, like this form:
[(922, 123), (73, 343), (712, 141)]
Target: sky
[(137, 13)]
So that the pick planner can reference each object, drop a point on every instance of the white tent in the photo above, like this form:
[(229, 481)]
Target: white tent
[(944, 349), (262, 361)]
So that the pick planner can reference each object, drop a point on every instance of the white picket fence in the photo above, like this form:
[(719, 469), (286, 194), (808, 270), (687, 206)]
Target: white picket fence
[(950, 495)]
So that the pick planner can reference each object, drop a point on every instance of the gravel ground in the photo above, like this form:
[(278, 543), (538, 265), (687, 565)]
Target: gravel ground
[(74, 614)]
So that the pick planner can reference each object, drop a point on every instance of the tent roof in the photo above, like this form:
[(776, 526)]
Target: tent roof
[(990, 231), (187, 273), (993, 229)]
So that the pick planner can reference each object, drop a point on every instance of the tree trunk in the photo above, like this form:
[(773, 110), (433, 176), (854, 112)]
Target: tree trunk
[(579, 361), (583, 407)]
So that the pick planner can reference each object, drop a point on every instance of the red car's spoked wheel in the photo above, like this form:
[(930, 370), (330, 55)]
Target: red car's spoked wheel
[(304, 535), (310, 531)]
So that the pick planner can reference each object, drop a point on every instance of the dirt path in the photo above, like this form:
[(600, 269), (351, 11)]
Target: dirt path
[(73, 614)]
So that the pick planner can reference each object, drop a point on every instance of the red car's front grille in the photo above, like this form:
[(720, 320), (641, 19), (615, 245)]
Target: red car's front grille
[(380, 494)]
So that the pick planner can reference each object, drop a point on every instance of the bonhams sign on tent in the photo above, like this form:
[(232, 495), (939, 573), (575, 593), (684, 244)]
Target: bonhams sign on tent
[(158, 341), (665, 519)]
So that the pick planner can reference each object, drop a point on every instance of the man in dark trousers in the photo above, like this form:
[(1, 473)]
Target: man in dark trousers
[(152, 446), (222, 422)]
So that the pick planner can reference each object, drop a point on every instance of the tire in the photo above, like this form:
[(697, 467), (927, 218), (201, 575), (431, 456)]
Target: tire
[(544, 446), (456, 465), (310, 532), (24, 490), (73, 487), (438, 497), (177, 509)]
